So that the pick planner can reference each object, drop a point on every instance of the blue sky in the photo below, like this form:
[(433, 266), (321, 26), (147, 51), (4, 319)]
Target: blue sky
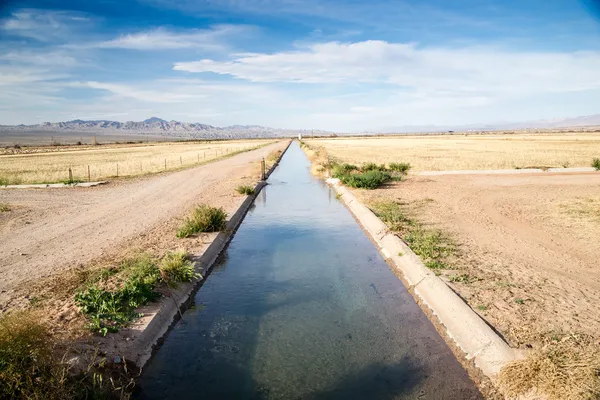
[(337, 65)]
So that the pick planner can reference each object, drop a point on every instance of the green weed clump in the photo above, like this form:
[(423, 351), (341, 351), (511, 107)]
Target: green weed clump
[(175, 267), (596, 164), (400, 167), (245, 189), (204, 218), (28, 369), (366, 180), (372, 167), (4, 207), (134, 285)]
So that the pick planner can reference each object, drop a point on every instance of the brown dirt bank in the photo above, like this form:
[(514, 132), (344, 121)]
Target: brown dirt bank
[(528, 243)]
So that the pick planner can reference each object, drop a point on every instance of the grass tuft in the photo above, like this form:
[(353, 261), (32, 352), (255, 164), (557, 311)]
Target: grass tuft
[(175, 267), (565, 368), (4, 207), (204, 218), (28, 369), (596, 164), (400, 167), (245, 189)]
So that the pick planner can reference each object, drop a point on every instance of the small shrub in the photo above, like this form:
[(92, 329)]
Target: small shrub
[(245, 189), (175, 267), (596, 164), (520, 301), (204, 218), (400, 167), (4, 207), (372, 167), (339, 170), (366, 180), (482, 307)]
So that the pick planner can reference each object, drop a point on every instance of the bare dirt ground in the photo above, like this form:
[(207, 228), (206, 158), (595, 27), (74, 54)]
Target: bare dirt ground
[(49, 232), (529, 245)]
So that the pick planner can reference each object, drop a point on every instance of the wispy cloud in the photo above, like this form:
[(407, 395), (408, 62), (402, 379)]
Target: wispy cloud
[(43, 25), (163, 39), (481, 71)]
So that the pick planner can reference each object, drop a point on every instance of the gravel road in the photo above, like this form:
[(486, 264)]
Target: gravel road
[(50, 230)]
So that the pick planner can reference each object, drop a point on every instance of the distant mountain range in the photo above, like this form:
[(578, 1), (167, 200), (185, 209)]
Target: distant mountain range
[(584, 121), (160, 127)]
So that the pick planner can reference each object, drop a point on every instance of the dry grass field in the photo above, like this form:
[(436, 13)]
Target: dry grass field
[(462, 152), (51, 164)]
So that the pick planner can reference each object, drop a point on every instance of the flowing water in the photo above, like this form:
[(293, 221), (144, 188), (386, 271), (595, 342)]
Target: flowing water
[(302, 306)]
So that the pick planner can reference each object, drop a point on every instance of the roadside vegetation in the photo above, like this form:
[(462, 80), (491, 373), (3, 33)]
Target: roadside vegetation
[(204, 218), (110, 298), (4, 207), (245, 189), (433, 247), (369, 175), (596, 164)]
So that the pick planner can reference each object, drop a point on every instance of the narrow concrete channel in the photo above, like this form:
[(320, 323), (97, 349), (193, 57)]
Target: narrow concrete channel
[(302, 306)]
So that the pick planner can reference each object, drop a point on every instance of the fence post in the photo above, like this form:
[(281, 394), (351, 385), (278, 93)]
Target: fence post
[(70, 175), (165, 164), (262, 169), (89, 176), (180, 161)]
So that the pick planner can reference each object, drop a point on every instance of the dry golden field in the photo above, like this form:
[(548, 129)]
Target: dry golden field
[(461, 152), (51, 164)]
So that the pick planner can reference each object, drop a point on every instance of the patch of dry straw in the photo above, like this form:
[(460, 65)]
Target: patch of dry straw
[(566, 369)]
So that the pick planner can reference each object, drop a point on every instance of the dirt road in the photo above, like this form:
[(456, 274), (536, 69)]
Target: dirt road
[(48, 231), (529, 244)]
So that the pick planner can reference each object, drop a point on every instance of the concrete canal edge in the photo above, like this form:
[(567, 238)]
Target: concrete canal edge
[(462, 325), (137, 343)]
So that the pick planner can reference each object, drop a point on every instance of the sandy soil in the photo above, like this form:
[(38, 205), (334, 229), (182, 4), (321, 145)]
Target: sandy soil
[(529, 244), (48, 232)]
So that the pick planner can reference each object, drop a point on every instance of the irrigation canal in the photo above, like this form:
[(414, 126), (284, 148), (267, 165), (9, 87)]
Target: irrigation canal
[(302, 306)]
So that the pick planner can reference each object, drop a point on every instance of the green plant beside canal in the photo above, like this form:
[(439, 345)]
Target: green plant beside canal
[(369, 175), (433, 247), (110, 300), (204, 218)]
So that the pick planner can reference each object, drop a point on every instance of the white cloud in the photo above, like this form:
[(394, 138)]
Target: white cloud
[(162, 39), (151, 96), (39, 58), (43, 25), (470, 71)]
